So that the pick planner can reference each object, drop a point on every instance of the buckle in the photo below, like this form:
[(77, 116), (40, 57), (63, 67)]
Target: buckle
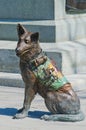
[(36, 62)]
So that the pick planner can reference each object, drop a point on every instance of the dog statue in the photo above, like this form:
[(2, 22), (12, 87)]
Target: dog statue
[(41, 76)]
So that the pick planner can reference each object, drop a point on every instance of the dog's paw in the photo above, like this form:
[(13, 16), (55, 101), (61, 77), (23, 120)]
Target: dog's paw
[(21, 113), (20, 116), (45, 117)]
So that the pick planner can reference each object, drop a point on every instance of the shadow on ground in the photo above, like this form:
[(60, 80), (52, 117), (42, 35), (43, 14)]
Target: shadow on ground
[(8, 111), (31, 114), (37, 114)]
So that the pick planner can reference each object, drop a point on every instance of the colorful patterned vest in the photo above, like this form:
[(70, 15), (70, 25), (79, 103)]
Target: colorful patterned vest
[(49, 76)]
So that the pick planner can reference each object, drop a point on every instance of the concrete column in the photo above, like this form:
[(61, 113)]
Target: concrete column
[(59, 8), (61, 26), (68, 27)]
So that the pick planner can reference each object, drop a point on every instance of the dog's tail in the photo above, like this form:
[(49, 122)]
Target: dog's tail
[(64, 117)]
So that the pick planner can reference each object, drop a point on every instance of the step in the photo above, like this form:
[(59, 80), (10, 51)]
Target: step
[(27, 13), (9, 62), (27, 9), (50, 30), (8, 29), (49, 18), (73, 56), (69, 56), (78, 81), (11, 79)]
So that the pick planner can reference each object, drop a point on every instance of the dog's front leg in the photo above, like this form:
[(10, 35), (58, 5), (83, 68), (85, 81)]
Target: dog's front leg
[(29, 95)]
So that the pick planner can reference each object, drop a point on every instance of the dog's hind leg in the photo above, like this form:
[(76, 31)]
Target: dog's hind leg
[(64, 107), (29, 95)]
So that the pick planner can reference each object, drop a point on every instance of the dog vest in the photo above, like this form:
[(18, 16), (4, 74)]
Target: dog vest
[(49, 76)]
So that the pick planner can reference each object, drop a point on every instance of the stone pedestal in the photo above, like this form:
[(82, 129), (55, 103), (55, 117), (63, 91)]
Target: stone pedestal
[(27, 9), (48, 17), (36, 15)]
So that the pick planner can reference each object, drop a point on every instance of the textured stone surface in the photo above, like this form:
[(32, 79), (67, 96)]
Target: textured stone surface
[(49, 18), (70, 56), (8, 30), (11, 99), (78, 81), (28, 9), (9, 62), (11, 79)]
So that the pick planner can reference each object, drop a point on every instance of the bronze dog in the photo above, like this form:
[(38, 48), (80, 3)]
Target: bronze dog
[(41, 76)]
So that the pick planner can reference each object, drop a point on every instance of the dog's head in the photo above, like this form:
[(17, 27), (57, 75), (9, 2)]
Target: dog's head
[(28, 43)]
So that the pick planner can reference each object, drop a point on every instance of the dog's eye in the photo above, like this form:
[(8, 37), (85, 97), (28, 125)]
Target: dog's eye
[(26, 41)]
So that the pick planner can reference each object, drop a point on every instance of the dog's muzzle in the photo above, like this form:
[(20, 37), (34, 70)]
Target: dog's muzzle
[(17, 51)]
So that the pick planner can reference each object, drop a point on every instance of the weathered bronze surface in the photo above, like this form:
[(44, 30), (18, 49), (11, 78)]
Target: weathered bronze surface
[(62, 101)]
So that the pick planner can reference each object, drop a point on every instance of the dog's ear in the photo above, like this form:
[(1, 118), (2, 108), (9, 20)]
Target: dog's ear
[(21, 30), (35, 37)]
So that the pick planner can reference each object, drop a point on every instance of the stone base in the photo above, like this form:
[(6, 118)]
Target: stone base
[(8, 30)]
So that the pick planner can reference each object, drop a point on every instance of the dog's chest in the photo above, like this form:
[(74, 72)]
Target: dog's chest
[(27, 75)]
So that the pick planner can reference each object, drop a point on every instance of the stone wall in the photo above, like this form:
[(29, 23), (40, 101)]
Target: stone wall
[(48, 17), (27, 9)]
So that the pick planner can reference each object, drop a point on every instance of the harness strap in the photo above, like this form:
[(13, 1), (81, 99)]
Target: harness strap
[(36, 62), (41, 59)]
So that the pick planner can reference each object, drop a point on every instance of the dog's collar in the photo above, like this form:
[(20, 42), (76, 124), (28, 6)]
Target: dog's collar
[(37, 60)]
